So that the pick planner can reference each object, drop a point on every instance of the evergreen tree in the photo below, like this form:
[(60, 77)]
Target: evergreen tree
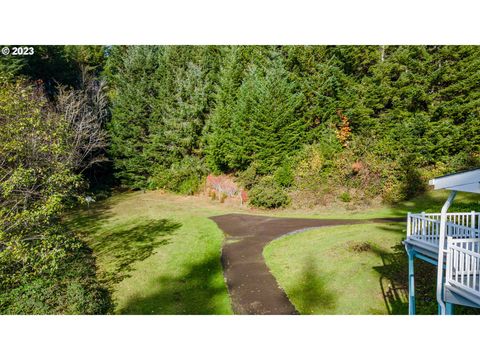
[(218, 134), (456, 105), (399, 97), (177, 133), (265, 124), (241, 105), (135, 91), (187, 77), (276, 127), (11, 66)]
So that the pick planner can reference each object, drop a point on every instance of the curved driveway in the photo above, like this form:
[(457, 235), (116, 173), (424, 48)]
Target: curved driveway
[(253, 289)]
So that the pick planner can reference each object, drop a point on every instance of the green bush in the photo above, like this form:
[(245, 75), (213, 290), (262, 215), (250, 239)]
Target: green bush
[(51, 296), (44, 269), (184, 177), (284, 175), (345, 197), (313, 164), (64, 282), (189, 185), (405, 180), (250, 176), (268, 194)]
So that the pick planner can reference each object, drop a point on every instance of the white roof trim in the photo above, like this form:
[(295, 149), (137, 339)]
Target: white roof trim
[(468, 181)]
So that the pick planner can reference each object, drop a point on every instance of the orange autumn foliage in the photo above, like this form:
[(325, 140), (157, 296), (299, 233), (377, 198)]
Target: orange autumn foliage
[(344, 131)]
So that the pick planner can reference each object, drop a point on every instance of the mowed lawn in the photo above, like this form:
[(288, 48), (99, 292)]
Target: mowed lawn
[(351, 269), (359, 269), (159, 253)]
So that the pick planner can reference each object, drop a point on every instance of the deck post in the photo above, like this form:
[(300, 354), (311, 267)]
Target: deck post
[(409, 224), (424, 232), (449, 308), (441, 251), (411, 280), (439, 307)]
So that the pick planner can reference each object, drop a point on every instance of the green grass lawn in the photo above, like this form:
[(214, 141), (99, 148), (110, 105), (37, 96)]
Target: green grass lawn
[(159, 253), (341, 270), (352, 269)]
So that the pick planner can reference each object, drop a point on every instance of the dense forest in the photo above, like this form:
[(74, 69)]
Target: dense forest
[(317, 124), (293, 125)]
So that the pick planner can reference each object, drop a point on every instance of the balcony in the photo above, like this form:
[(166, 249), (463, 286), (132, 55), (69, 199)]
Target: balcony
[(423, 230)]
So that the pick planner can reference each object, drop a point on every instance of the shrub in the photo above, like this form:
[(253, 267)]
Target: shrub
[(345, 197), (357, 167), (250, 176), (314, 164), (405, 180), (312, 170), (368, 172), (44, 296), (50, 296), (284, 175), (243, 197), (184, 177), (43, 268), (222, 184), (64, 282), (189, 186), (268, 194)]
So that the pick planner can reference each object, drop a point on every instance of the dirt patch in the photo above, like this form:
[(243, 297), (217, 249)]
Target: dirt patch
[(359, 247), (253, 289)]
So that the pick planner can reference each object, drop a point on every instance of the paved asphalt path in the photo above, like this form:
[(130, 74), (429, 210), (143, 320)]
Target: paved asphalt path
[(253, 289)]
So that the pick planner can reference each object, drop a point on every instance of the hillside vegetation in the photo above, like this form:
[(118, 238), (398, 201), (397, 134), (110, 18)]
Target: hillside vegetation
[(299, 125)]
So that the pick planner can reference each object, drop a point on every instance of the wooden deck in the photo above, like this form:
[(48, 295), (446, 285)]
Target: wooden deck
[(461, 252)]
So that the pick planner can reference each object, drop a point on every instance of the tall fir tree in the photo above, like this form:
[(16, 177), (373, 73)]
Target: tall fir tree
[(132, 73), (259, 122), (456, 105)]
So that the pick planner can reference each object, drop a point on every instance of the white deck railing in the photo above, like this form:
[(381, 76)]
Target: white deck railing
[(463, 265), (424, 228), (462, 248)]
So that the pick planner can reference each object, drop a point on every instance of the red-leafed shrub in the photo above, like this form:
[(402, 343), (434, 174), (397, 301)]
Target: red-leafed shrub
[(224, 186), (244, 196)]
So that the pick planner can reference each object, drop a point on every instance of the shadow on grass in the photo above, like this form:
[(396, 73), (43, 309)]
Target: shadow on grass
[(123, 245), (394, 280), (89, 219), (199, 289), (311, 292), (130, 243), (394, 277)]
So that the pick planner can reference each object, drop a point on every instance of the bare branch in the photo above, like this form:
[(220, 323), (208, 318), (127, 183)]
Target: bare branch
[(85, 112)]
